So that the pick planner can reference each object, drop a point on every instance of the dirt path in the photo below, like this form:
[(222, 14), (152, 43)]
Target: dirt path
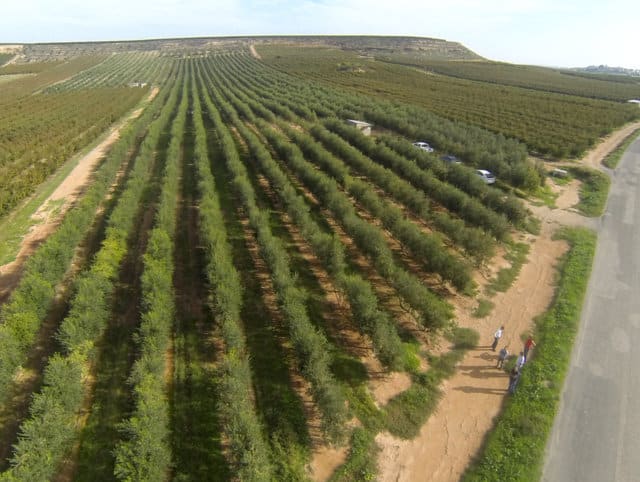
[(52, 210), (254, 52), (473, 397), (594, 157)]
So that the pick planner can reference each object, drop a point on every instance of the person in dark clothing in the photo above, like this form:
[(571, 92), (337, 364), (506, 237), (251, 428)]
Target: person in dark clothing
[(514, 376), (502, 356)]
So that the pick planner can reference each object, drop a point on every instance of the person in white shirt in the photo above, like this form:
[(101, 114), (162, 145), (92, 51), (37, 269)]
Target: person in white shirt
[(496, 337), (521, 360)]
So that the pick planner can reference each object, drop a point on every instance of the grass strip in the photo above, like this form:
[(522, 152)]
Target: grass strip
[(485, 307), (593, 192), (514, 450), (517, 255), (613, 158)]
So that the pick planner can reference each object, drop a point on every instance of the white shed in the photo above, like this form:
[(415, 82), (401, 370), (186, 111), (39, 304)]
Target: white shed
[(365, 127)]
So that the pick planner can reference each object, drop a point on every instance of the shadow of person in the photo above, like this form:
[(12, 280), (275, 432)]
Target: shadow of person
[(489, 371), (489, 391)]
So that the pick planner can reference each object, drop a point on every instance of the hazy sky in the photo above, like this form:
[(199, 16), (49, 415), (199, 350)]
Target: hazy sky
[(564, 33)]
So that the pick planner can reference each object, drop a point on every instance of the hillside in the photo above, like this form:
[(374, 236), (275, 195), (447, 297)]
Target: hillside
[(416, 47)]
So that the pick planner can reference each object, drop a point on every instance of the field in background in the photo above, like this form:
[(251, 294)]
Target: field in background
[(608, 87), (551, 124)]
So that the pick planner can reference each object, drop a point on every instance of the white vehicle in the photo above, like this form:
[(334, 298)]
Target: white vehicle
[(486, 176), (423, 145)]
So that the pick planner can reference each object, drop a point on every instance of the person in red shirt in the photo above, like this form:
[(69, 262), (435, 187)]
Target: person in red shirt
[(527, 346)]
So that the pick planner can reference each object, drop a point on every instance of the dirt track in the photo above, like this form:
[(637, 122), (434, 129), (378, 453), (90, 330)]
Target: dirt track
[(594, 157), (52, 210), (254, 52)]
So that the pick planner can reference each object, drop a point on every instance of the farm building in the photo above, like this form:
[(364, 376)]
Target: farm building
[(365, 127), (634, 101)]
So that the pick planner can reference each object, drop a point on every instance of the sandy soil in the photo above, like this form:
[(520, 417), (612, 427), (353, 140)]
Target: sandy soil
[(52, 210)]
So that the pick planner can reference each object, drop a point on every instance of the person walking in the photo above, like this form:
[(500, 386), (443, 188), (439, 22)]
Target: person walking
[(521, 360), (502, 356), (496, 337), (514, 376), (527, 346)]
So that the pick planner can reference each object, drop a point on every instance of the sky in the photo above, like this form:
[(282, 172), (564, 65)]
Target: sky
[(561, 33)]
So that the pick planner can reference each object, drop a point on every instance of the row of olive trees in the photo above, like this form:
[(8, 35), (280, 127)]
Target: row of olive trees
[(430, 310), (330, 251), (507, 158), (479, 147), (467, 207), (119, 70), (25, 311), (144, 454), (249, 454), (457, 189), (474, 241), (427, 249), (310, 344), (49, 432), (457, 175)]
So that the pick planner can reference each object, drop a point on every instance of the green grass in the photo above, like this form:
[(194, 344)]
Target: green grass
[(516, 255), (514, 450), (409, 410), (593, 191), (613, 158), (484, 308), (112, 399), (361, 461), (545, 196), (4, 58)]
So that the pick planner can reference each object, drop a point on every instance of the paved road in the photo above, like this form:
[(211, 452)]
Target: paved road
[(596, 435)]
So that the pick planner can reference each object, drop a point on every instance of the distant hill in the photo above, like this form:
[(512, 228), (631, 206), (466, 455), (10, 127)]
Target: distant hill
[(416, 47), (424, 47)]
